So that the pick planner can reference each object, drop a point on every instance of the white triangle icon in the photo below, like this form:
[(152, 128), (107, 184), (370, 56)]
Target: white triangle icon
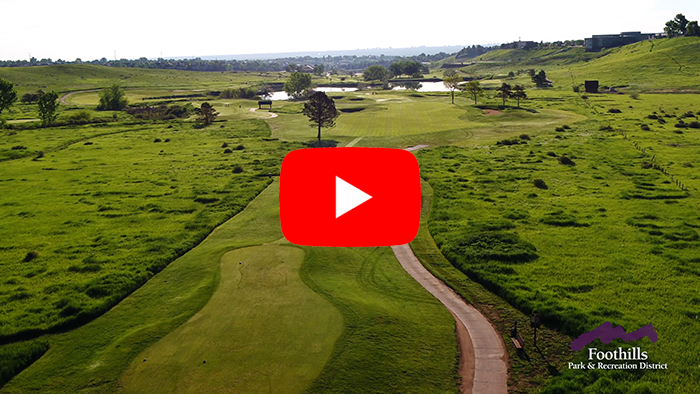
[(347, 197)]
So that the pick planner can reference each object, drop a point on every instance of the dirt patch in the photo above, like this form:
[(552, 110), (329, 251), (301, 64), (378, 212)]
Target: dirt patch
[(488, 112)]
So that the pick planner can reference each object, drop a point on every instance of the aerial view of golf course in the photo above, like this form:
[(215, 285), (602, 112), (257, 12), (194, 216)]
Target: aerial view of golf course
[(540, 165)]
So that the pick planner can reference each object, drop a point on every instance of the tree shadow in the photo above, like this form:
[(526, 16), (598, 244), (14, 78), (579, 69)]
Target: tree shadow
[(553, 371), (321, 144)]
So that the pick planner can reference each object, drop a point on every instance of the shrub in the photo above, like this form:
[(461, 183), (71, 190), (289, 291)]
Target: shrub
[(605, 128), (681, 125), (577, 88), (551, 154), (524, 137), (688, 114), (559, 129), (80, 117), (694, 124), (566, 127), (652, 116), (227, 150), (635, 95), (566, 161), (645, 127), (614, 111), (224, 145), (19, 147), (156, 140), (662, 120), (237, 169), (540, 184), (88, 143), (512, 141), (240, 147), (31, 256)]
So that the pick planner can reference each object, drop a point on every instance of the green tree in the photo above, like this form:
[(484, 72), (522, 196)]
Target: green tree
[(540, 79), (452, 83), (321, 111), (396, 69), (298, 85), (693, 29), (8, 95), (473, 88), (112, 98), (206, 113), (519, 93), (504, 92), (678, 26), (319, 69), (48, 104), (374, 73)]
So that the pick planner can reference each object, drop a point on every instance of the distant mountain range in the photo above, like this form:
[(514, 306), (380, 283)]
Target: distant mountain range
[(412, 51)]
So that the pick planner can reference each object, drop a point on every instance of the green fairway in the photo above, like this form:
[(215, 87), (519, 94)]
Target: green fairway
[(399, 120), (263, 328)]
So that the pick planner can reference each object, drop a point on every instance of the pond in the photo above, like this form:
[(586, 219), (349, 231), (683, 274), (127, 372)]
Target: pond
[(422, 86), (418, 86), (327, 89)]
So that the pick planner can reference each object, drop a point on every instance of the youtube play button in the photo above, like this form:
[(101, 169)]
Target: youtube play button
[(350, 197)]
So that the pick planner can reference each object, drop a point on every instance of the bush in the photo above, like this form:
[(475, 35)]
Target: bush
[(681, 125), (614, 111), (694, 125), (227, 150), (237, 169), (540, 184), (566, 161), (79, 117), (19, 147), (652, 116), (524, 137), (31, 256), (551, 154), (566, 127), (635, 95), (688, 114), (605, 128), (645, 127), (559, 129), (224, 145), (240, 147), (512, 141), (157, 140)]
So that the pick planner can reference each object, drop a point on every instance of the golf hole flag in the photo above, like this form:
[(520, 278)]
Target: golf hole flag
[(350, 197)]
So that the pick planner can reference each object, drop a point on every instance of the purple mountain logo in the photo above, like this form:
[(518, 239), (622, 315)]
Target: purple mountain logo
[(606, 333)]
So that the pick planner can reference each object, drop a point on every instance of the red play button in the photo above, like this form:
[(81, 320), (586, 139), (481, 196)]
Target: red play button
[(350, 197)]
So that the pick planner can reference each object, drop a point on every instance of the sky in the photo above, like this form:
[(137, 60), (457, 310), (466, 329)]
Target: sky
[(70, 29)]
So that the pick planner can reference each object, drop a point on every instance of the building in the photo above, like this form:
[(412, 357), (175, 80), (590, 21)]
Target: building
[(601, 41)]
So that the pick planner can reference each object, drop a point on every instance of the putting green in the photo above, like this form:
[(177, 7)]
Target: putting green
[(262, 329)]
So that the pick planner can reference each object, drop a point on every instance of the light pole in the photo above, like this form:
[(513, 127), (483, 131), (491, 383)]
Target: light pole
[(535, 323)]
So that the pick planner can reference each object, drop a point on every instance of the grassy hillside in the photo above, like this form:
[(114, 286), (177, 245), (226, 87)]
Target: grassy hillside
[(590, 223), (656, 65), (122, 206), (71, 77)]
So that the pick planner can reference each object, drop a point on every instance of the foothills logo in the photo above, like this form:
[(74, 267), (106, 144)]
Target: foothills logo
[(607, 333)]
